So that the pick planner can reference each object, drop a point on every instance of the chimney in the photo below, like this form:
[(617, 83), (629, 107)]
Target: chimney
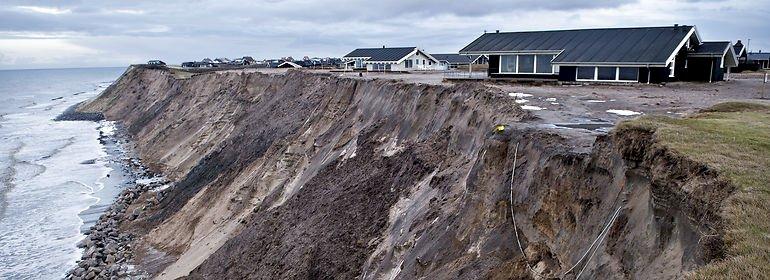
[(676, 25), (497, 31), (383, 46)]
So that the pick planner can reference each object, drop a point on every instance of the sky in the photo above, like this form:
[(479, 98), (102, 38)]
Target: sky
[(96, 33)]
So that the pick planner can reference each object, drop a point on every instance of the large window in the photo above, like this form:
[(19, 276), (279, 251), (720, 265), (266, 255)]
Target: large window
[(526, 64), (586, 73), (606, 73), (408, 63), (508, 64), (628, 74), (611, 74), (544, 63)]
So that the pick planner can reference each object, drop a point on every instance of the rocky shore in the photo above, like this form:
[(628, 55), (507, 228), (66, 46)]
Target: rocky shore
[(71, 114), (107, 248)]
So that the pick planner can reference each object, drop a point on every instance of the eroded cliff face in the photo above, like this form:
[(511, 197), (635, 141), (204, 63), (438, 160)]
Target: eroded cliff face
[(302, 175)]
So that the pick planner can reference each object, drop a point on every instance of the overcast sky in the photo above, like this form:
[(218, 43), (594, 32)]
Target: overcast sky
[(83, 33)]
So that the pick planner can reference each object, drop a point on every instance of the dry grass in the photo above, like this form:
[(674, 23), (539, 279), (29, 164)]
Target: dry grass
[(733, 138)]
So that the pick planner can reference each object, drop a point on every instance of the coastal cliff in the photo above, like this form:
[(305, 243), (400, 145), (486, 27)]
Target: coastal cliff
[(302, 175)]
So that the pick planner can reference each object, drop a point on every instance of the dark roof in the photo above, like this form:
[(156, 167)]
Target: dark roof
[(738, 48), (609, 45), (759, 56), (382, 54), (711, 48), (454, 58)]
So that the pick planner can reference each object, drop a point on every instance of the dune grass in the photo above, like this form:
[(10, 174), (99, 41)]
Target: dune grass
[(733, 138)]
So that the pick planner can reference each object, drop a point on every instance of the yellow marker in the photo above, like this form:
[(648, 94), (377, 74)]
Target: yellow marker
[(499, 128)]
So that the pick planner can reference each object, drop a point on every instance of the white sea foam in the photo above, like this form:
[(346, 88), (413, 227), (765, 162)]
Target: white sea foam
[(49, 186)]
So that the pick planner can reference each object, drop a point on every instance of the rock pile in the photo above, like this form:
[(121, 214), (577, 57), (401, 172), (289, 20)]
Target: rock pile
[(107, 250)]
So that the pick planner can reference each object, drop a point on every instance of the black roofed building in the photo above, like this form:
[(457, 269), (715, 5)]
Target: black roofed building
[(390, 59), (740, 52), (710, 61), (762, 60), (639, 54)]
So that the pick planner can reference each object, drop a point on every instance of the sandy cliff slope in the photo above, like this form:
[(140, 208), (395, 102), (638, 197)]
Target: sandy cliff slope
[(302, 175)]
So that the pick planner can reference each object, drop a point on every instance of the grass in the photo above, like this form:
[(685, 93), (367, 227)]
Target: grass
[(734, 139)]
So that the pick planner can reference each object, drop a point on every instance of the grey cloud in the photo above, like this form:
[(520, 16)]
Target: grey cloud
[(176, 30)]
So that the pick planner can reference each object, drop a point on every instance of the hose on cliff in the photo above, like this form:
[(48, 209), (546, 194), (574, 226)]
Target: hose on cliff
[(602, 234), (513, 215), (591, 249)]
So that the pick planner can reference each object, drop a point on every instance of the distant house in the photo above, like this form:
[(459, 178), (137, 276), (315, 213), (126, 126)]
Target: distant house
[(390, 59), (760, 59), (222, 60), (289, 64), (207, 60), (740, 52), (196, 64), (640, 54), (156, 62), (246, 60), (453, 60)]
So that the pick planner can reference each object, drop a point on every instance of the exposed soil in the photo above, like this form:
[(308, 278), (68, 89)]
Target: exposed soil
[(311, 175)]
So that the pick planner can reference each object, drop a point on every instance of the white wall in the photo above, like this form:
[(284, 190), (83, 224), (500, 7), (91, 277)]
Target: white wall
[(417, 64)]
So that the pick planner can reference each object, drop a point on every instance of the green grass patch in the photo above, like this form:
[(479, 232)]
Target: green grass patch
[(734, 139)]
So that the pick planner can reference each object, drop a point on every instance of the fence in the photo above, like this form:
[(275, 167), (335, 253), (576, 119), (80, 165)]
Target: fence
[(465, 75)]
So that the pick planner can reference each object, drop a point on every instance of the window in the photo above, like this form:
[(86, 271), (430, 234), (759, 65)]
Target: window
[(628, 74), (508, 64), (526, 64), (586, 73), (423, 62), (606, 73), (612, 74), (544, 63), (408, 63)]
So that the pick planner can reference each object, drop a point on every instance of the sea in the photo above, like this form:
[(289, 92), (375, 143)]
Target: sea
[(56, 177)]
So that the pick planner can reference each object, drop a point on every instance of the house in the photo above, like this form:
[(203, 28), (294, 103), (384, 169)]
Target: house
[(196, 64), (759, 59), (156, 62), (207, 60), (740, 52), (390, 59), (638, 54), (710, 61), (246, 60), (289, 64), (454, 60), (222, 60)]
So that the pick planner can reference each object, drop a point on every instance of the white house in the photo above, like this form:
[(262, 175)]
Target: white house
[(391, 59)]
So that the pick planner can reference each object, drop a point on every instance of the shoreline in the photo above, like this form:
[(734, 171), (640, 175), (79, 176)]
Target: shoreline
[(106, 248)]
